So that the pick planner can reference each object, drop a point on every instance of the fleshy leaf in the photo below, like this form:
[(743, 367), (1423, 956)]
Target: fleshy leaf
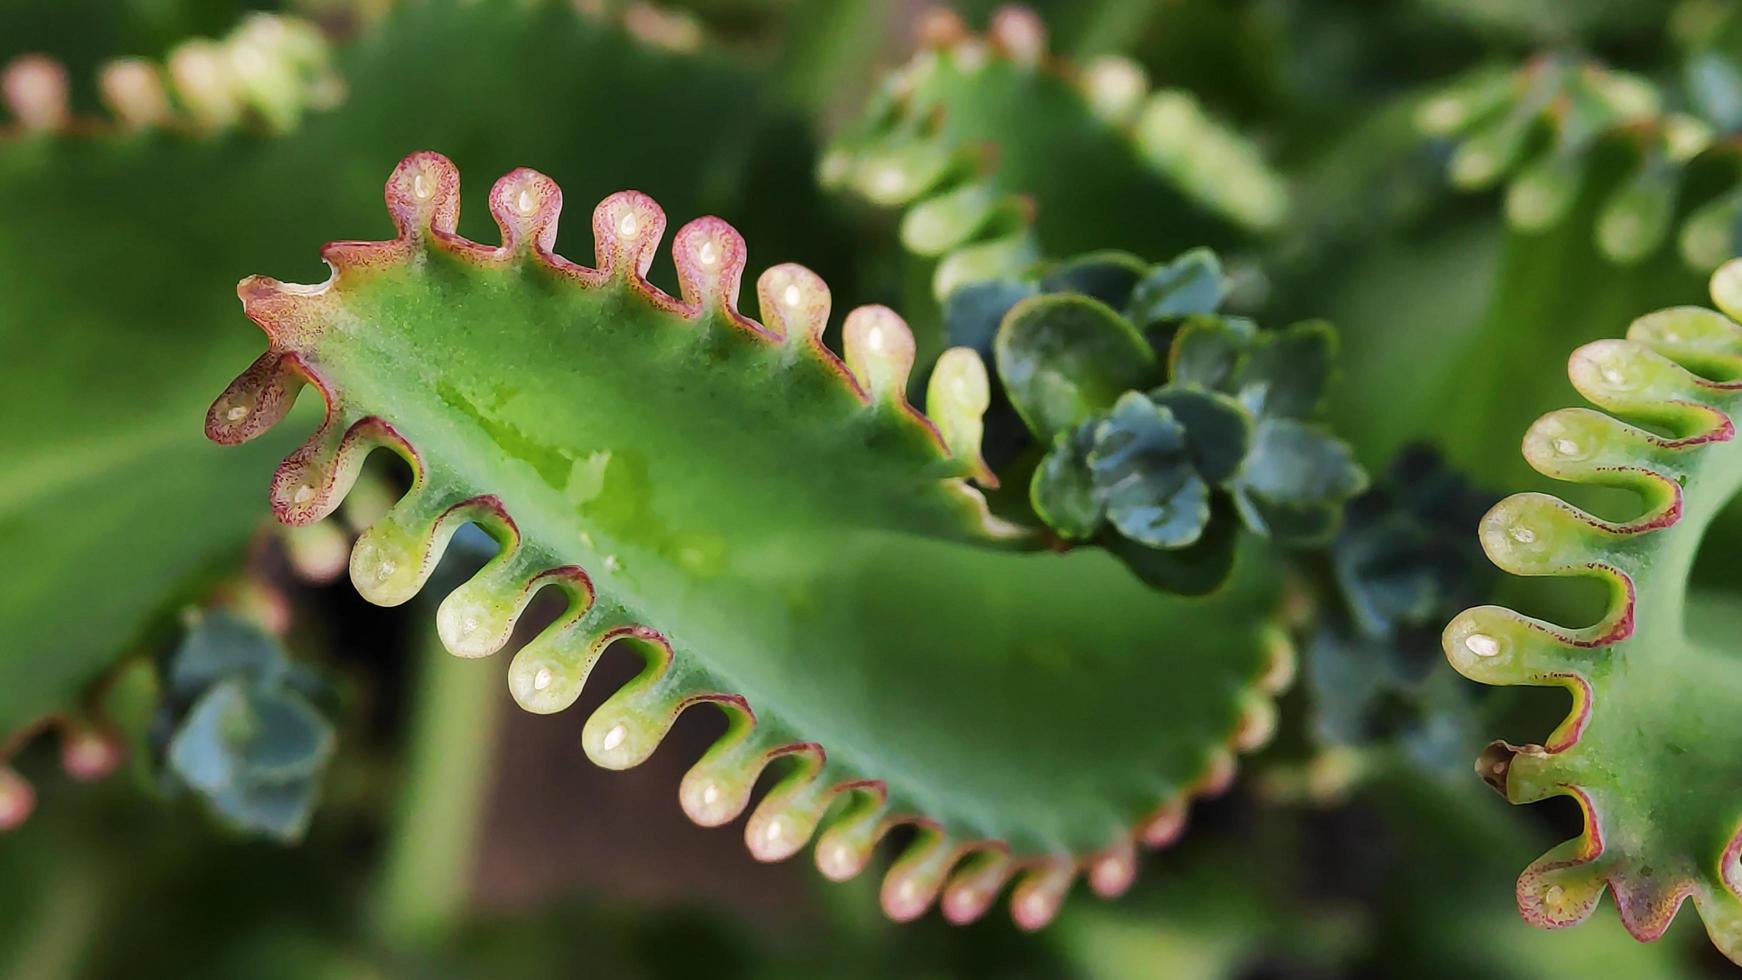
[(1404, 558), (1063, 491), (1197, 569), (202, 753), (1190, 284), (1218, 430), (220, 647), (972, 313), (1649, 750), (114, 478), (1208, 351), (1287, 373), (1004, 154), (1557, 120), (1142, 470), (1108, 276), (1293, 483), (239, 729), (1064, 358), (591, 421)]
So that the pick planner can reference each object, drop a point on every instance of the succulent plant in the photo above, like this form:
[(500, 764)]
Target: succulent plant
[(631, 467), (995, 600), (1644, 751), (245, 727), (1558, 122), (147, 193), (987, 142)]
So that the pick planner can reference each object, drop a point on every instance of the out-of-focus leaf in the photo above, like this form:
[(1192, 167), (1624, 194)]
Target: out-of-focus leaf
[(1108, 276), (242, 730)]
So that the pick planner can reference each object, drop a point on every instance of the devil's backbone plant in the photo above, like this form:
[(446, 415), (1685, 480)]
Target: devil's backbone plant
[(1648, 751), (772, 527)]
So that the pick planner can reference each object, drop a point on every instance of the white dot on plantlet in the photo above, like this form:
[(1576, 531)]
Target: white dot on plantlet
[(1522, 534), (792, 296), (613, 563), (614, 738), (1036, 908), (526, 202), (1614, 375), (1554, 894), (837, 861), (874, 340), (711, 793), (1482, 645), (775, 831), (237, 413), (542, 678), (422, 187), (708, 254), (1566, 447), (303, 494), (627, 226)]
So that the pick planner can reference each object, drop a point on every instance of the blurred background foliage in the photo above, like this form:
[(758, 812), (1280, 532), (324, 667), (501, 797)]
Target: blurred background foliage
[(455, 837)]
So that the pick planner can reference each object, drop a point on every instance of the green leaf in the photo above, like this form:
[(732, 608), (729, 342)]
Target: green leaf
[(1063, 490), (1543, 194), (1405, 557), (1064, 358), (1649, 751), (221, 646), (280, 810), (203, 752), (120, 311), (973, 312), (1636, 221), (1029, 131), (1142, 471), (1108, 276), (1218, 430), (1288, 372), (1297, 464), (1300, 525), (1191, 284), (1207, 351), (776, 536), (1197, 569), (289, 738), (242, 732), (1294, 482)]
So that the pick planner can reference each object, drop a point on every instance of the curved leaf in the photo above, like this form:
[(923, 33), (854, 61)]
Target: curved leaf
[(777, 532), (120, 247), (1660, 816)]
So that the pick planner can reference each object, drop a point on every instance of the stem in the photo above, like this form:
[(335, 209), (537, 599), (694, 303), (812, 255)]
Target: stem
[(427, 876)]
